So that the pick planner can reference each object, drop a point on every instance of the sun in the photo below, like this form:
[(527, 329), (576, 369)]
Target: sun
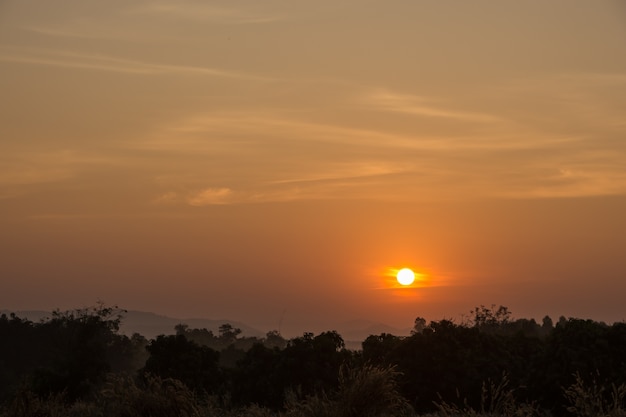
[(405, 276)]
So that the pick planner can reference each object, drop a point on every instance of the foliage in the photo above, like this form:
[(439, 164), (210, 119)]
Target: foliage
[(258, 380), (76, 364), (370, 391), (69, 353), (28, 404), (497, 399), (154, 397), (229, 338), (308, 363), (490, 318), (367, 391), (594, 399), (178, 358)]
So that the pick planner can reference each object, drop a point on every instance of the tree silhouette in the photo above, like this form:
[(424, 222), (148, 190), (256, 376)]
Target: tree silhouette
[(419, 325), (228, 333), (176, 357)]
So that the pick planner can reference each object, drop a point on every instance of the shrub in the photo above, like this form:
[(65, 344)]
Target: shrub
[(496, 399), (368, 391), (155, 397)]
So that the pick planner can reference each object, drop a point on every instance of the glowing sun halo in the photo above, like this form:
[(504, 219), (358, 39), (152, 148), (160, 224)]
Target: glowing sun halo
[(405, 276)]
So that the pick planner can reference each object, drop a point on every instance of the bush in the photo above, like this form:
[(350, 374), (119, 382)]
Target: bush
[(368, 391), (497, 399), (154, 397)]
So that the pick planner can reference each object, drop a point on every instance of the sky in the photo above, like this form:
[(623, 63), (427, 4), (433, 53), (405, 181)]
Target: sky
[(276, 162)]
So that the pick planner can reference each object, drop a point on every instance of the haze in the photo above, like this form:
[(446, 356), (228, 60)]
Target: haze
[(270, 162)]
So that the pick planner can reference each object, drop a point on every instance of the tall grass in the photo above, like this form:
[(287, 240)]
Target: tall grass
[(153, 397), (27, 404), (496, 399), (370, 391), (594, 399), (367, 391)]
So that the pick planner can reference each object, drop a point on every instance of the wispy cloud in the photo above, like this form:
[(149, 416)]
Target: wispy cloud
[(23, 167), (226, 196), (66, 59), (420, 106), (103, 31), (144, 21), (207, 12), (18, 174), (245, 128), (283, 158), (569, 182), (210, 196), (270, 154), (347, 171), (241, 130), (588, 103)]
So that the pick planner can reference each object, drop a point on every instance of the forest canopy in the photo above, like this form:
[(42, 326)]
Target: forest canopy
[(77, 361)]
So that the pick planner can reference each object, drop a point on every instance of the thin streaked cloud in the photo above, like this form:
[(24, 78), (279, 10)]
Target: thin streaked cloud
[(588, 103), (226, 196), (565, 183), (207, 12), (349, 171), (100, 31), (265, 157), (23, 167), (421, 106), (364, 162), (211, 196), (67, 59), (241, 130)]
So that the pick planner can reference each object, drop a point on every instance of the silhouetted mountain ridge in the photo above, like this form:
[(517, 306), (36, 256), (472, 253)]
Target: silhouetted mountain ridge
[(151, 325), (359, 329)]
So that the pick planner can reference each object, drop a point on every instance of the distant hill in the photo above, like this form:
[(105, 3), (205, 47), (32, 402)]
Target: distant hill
[(354, 332), (32, 315), (361, 329), (151, 325)]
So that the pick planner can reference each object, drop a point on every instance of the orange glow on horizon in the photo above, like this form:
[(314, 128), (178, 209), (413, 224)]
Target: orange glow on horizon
[(234, 164)]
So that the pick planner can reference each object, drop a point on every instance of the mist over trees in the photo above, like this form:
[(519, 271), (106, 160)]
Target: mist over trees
[(78, 363)]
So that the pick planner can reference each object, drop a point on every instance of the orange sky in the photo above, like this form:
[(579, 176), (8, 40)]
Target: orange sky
[(259, 160)]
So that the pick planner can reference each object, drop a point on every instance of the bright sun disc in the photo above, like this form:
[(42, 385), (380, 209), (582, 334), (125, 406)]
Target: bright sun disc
[(405, 276)]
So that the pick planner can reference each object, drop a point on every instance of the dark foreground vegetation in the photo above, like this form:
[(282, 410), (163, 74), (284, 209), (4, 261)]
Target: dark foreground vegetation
[(77, 364)]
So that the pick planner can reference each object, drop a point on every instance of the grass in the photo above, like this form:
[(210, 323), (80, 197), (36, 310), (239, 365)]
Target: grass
[(593, 399), (497, 399), (366, 391)]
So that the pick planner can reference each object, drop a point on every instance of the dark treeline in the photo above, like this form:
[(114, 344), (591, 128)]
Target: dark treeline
[(490, 364)]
